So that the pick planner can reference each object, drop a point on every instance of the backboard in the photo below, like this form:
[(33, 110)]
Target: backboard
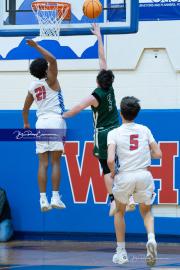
[(118, 17)]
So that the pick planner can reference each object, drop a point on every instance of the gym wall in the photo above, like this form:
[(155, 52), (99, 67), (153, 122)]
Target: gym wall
[(146, 65)]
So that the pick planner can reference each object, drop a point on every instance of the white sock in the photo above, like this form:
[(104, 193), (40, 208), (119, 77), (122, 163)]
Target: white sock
[(43, 195), (55, 193), (121, 246), (151, 236)]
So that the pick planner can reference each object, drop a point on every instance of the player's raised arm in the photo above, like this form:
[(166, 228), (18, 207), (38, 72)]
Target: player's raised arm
[(28, 102), (53, 69), (96, 31), (86, 102)]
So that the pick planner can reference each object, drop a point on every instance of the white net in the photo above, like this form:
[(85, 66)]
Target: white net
[(50, 18)]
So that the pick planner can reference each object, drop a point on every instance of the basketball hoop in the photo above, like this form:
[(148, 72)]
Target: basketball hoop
[(50, 15)]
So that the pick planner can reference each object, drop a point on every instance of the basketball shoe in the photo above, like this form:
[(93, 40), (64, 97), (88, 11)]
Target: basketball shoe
[(120, 258), (45, 206), (151, 258), (57, 203), (112, 208), (131, 206)]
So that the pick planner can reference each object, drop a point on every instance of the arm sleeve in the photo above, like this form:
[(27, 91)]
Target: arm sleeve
[(2, 200), (111, 139), (150, 136)]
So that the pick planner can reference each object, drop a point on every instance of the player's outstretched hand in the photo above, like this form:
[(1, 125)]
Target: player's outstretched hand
[(27, 126), (31, 43), (96, 29)]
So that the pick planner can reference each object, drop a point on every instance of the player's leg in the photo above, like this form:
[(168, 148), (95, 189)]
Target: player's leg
[(144, 195), (101, 152), (151, 245), (43, 154), (123, 186), (56, 148), (56, 177), (109, 183), (119, 221), (121, 255), (42, 171), (56, 171), (147, 216), (42, 180)]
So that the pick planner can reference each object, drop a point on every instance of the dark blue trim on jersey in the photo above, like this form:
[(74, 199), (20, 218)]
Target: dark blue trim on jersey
[(61, 102), (73, 32), (117, 164)]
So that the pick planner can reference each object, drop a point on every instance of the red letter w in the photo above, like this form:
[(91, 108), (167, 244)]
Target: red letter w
[(86, 175)]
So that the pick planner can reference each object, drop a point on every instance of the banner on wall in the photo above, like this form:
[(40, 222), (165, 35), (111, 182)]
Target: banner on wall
[(151, 10)]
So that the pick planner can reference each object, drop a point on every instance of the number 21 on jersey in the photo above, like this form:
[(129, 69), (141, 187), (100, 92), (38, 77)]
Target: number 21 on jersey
[(40, 93), (134, 142)]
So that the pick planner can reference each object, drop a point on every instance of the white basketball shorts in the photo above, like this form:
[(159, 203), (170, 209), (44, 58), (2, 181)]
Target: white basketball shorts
[(50, 123), (140, 184)]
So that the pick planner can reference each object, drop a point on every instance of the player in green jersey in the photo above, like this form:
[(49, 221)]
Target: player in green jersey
[(105, 114)]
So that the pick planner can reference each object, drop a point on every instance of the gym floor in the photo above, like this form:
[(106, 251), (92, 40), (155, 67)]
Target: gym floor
[(61, 255)]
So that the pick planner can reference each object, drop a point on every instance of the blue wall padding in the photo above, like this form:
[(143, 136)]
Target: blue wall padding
[(19, 166)]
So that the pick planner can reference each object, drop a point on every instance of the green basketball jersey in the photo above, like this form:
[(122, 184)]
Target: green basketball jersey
[(105, 118), (106, 114)]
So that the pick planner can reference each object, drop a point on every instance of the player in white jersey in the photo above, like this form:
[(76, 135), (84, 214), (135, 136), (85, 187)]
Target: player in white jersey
[(47, 94), (131, 144)]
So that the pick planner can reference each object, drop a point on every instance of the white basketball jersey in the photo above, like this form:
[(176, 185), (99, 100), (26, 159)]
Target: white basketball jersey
[(50, 103), (132, 146)]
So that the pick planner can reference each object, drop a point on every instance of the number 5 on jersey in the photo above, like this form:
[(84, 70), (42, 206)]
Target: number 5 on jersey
[(40, 93), (134, 142)]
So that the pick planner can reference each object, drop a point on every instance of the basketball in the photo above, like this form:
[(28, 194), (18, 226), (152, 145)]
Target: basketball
[(92, 9)]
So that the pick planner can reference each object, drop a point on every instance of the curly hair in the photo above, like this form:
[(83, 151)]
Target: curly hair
[(130, 108), (105, 79), (38, 67)]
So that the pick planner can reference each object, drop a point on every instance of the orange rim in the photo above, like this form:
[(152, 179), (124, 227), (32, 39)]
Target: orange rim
[(46, 5)]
